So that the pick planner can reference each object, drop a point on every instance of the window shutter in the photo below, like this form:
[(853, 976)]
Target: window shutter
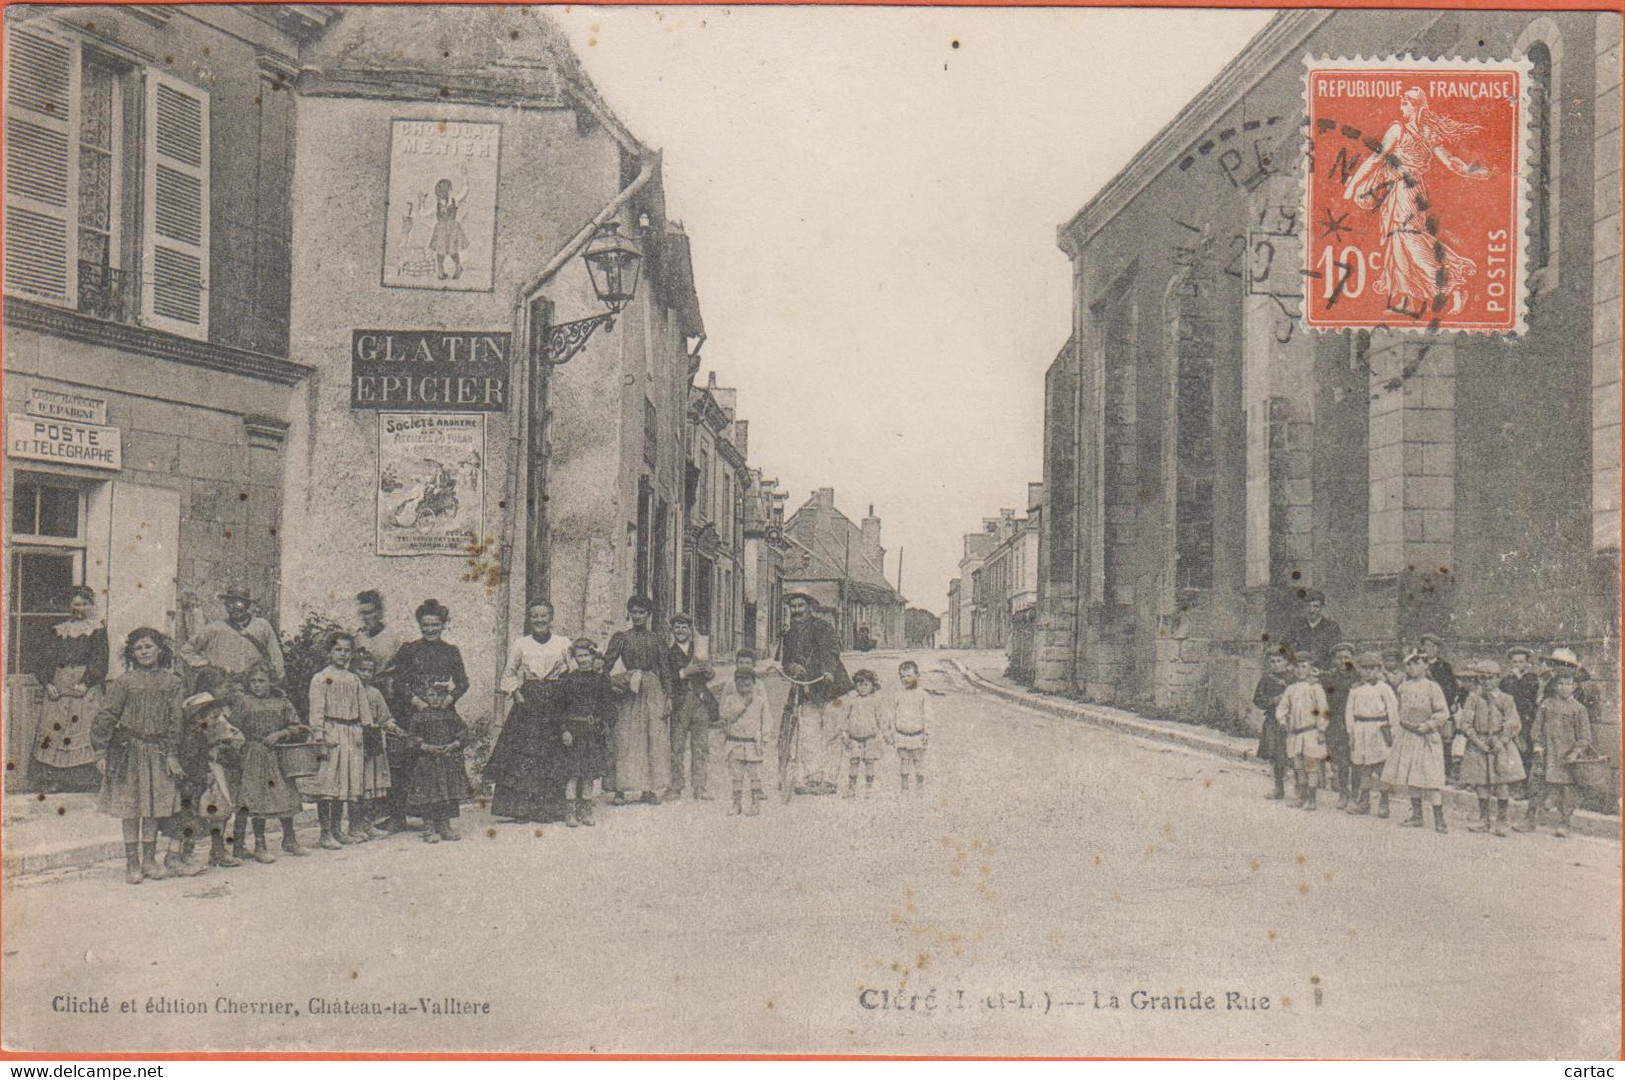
[(42, 190), (175, 222)]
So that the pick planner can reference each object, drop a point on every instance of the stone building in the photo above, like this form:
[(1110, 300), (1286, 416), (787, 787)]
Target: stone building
[(975, 551), (1206, 459), (148, 376), (843, 566), (714, 575), (764, 557), (450, 174)]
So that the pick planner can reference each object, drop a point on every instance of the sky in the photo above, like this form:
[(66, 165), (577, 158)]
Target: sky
[(872, 197)]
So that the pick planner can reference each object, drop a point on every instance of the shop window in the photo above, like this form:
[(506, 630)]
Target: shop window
[(72, 112), (46, 559)]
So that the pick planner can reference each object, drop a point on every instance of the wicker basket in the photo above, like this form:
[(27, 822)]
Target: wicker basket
[(300, 759), (1592, 773)]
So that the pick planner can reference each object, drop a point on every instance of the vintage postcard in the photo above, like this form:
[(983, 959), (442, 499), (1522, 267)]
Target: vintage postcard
[(808, 530)]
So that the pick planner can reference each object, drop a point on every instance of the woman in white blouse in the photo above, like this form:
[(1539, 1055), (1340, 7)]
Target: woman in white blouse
[(526, 789)]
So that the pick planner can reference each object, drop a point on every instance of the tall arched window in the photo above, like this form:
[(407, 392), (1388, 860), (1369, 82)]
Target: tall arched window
[(1540, 136), (1542, 44)]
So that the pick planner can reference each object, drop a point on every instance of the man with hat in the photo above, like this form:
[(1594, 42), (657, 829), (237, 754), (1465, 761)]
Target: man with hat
[(1316, 633), (237, 642), (810, 653), (1521, 682), (691, 709)]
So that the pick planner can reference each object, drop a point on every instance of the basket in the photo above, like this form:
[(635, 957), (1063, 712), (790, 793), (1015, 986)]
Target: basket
[(300, 759), (1592, 773)]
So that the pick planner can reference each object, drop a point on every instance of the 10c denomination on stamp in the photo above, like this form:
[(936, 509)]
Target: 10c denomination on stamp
[(1415, 194)]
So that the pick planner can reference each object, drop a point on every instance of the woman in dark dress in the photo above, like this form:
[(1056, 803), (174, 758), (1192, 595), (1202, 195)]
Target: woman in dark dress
[(73, 672), (636, 662), (418, 663), (523, 767)]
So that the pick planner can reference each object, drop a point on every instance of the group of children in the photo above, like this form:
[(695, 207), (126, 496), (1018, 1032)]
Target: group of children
[(1388, 725), (207, 763), (856, 725), (903, 721)]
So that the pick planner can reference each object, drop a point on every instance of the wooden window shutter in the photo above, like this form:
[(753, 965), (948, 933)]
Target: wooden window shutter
[(175, 221), (42, 189)]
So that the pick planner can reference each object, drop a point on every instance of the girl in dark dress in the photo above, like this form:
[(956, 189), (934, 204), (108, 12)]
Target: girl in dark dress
[(417, 663), (586, 709), (72, 672), (439, 779)]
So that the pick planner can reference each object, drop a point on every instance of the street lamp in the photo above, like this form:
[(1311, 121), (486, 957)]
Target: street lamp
[(612, 262)]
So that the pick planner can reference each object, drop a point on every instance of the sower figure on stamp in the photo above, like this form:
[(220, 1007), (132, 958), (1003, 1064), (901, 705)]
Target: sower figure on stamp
[(1417, 265), (810, 732)]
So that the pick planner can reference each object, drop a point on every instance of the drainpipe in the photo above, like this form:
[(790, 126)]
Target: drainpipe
[(531, 431)]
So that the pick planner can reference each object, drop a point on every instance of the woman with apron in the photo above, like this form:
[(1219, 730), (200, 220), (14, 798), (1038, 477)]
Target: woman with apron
[(73, 671), (636, 663)]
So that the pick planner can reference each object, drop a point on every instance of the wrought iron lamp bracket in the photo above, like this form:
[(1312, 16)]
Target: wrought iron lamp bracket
[(566, 339)]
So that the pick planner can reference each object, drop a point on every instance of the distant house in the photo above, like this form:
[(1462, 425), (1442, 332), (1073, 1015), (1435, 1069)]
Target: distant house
[(843, 567)]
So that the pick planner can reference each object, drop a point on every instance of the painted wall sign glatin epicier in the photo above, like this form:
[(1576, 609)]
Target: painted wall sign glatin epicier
[(437, 370), (440, 223), (431, 483), (64, 442)]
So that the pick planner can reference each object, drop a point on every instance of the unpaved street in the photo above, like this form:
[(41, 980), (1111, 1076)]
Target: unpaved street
[(1048, 864)]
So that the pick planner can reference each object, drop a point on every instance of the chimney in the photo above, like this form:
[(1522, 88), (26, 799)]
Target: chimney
[(712, 384), (871, 534), (1035, 496), (742, 439), (824, 498)]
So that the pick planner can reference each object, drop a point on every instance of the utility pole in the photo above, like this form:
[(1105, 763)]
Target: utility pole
[(899, 572)]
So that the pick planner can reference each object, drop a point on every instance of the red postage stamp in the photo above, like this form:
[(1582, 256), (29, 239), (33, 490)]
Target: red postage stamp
[(1415, 193)]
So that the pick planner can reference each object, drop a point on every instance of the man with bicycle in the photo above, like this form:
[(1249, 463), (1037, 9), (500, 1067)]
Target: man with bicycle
[(810, 735)]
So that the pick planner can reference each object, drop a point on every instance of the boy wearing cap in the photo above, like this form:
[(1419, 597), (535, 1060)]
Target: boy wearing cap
[(1370, 716), (691, 709), (743, 709), (1267, 697), (1440, 671), (1491, 762), (1562, 733), (1338, 681), (1304, 716), (1415, 765)]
